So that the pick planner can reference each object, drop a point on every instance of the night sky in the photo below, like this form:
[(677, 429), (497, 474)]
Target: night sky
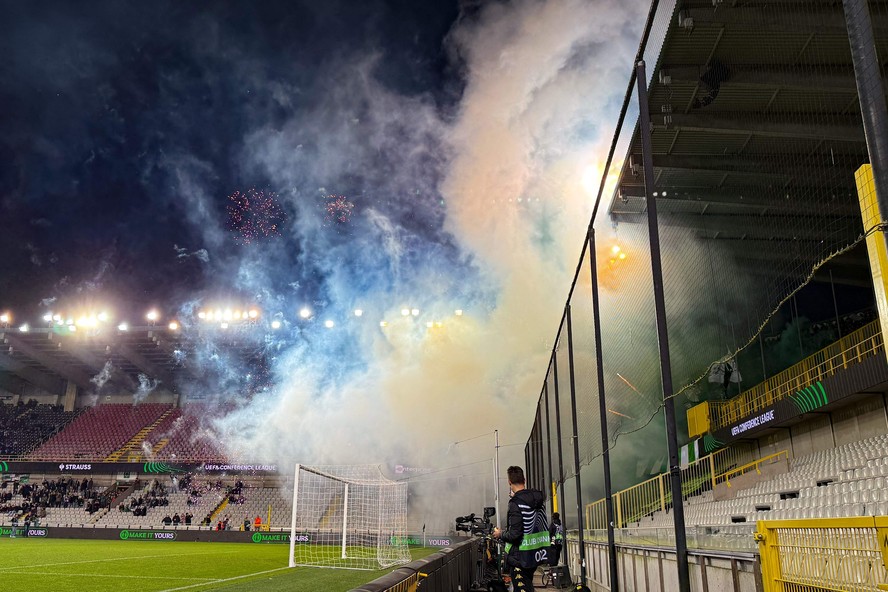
[(126, 126), (391, 157)]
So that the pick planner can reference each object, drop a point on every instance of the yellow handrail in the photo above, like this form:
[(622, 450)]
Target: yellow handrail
[(851, 349), (640, 500), (726, 477)]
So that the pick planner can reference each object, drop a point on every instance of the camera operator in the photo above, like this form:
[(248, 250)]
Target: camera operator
[(527, 531)]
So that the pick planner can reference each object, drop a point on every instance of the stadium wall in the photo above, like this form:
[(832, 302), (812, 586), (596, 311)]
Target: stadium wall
[(158, 395), (863, 418)]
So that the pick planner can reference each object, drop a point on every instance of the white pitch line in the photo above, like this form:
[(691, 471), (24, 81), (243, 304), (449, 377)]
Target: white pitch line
[(138, 557), (25, 572), (258, 573)]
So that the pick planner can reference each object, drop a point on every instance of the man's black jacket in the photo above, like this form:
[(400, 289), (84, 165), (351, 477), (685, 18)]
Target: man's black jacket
[(527, 530)]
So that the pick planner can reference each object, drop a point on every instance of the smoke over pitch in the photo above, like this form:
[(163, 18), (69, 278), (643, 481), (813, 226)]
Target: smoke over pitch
[(480, 206)]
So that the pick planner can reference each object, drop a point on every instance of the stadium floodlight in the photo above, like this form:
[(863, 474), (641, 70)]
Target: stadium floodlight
[(305, 312), (359, 312), (57, 318), (227, 314), (24, 328), (348, 517), (329, 324), (123, 327), (237, 315), (47, 317), (4, 318), (415, 312), (152, 315), (458, 312), (253, 313), (430, 324), (224, 325), (72, 328), (275, 324), (439, 324), (405, 312), (174, 326), (102, 317), (202, 315), (383, 323)]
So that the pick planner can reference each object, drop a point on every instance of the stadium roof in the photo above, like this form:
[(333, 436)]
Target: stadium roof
[(756, 130), (49, 357)]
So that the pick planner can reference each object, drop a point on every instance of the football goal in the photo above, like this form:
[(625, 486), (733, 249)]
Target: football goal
[(348, 517)]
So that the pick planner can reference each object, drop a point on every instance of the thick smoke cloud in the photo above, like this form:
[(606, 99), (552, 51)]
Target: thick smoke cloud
[(471, 193), (481, 208)]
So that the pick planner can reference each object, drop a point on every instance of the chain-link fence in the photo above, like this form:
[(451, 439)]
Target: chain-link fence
[(756, 133)]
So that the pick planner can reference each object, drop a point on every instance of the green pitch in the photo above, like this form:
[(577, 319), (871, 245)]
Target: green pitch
[(158, 566)]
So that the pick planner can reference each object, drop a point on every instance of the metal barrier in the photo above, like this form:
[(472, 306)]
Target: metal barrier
[(849, 350), (749, 467), (451, 568), (638, 501), (646, 562), (826, 554)]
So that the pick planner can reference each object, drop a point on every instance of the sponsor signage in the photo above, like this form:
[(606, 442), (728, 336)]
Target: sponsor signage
[(155, 468), (75, 467), (35, 531), (278, 537), (416, 541), (754, 422), (212, 468), (147, 535), (404, 470)]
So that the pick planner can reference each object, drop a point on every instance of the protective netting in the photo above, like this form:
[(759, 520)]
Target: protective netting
[(348, 517), (756, 136)]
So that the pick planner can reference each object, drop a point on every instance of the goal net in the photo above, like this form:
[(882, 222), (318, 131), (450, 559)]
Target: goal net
[(349, 517)]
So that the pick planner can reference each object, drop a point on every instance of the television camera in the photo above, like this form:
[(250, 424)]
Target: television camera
[(489, 572), (476, 525)]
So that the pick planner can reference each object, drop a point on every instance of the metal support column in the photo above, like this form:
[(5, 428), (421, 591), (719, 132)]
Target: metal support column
[(560, 479), (576, 447), (548, 443), (644, 124), (602, 417), (870, 90)]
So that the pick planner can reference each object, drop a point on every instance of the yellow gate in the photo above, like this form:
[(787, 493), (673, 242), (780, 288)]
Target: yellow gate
[(830, 554)]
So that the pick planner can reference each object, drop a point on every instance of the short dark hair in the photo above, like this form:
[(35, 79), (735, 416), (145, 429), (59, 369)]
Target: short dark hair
[(516, 475)]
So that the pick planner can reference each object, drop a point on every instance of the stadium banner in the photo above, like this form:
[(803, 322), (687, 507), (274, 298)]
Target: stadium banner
[(849, 382), (133, 469), (23, 532), (164, 535), (431, 540)]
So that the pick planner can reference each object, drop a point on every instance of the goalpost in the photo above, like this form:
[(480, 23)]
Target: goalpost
[(348, 517)]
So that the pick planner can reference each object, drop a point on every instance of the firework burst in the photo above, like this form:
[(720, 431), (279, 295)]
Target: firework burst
[(338, 209), (254, 215)]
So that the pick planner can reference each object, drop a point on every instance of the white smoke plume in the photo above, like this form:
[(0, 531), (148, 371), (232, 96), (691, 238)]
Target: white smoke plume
[(146, 385), (103, 376)]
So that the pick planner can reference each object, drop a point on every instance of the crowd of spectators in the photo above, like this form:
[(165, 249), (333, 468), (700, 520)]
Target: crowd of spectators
[(154, 497), (59, 493), (176, 520)]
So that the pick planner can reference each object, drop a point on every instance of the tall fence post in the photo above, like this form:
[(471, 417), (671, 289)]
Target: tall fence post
[(871, 93), (576, 446), (602, 419), (558, 422), (548, 440), (644, 124)]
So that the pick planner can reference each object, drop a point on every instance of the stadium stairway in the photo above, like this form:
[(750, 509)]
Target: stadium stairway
[(215, 514), (133, 448)]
